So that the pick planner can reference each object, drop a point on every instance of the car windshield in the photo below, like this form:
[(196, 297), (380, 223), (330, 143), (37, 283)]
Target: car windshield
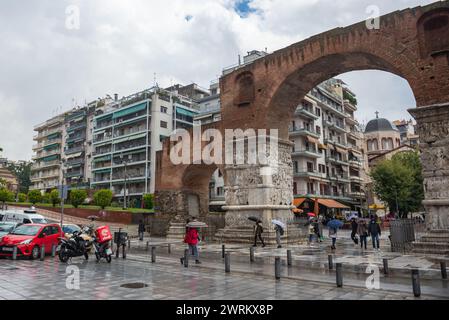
[(43, 221), (26, 230), (6, 227), (70, 229)]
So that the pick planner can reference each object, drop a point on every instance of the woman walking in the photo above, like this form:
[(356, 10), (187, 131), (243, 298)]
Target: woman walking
[(362, 231), (191, 238)]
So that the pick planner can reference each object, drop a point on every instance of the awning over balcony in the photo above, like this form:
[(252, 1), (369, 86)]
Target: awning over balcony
[(312, 140), (50, 158), (74, 155), (54, 136), (341, 150), (322, 146), (330, 203), (102, 171), (134, 109), (298, 201), (105, 158), (185, 112), (136, 136)]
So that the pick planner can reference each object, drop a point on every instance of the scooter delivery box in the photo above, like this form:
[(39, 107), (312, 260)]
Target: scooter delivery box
[(103, 234)]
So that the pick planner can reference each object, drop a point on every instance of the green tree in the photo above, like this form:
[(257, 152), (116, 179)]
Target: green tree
[(398, 182), (22, 171), (6, 195), (148, 200), (46, 198), (22, 197), (103, 198), (54, 197), (77, 197), (34, 196)]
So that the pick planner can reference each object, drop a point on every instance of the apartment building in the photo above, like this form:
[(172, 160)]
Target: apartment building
[(46, 171), (327, 155), (127, 135)]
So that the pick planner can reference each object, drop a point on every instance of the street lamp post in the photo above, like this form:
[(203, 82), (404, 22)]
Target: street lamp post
[(125, 162), (62, 192)]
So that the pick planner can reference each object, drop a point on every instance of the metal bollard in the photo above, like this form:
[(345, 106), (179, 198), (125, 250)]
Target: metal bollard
[(227, 262), (148, 246), (186, 258), (416, 283), (443, 269), (14, 253), (169, 248), (53, 250), (223, 251), (251, 254), (386, 270), (153, 254), (331, 263), (277, 268), (289, 258), (339, 275), (42, 257)]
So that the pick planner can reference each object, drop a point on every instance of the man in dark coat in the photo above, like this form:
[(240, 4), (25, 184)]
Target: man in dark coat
[(354, 226), (141, 230), (258, 234), (374, 231)]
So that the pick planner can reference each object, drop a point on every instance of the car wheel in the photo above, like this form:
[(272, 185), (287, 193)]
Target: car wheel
[(35, 253)]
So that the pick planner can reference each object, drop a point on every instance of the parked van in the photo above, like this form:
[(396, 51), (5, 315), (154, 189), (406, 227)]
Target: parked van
[(25, 216)]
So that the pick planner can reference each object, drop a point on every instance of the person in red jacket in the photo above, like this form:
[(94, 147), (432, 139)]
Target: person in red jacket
[(191, 238)]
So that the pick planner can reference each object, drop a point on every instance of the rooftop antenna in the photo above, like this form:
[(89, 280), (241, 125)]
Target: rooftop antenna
[(240, 60), (266, 49), (154, 80)]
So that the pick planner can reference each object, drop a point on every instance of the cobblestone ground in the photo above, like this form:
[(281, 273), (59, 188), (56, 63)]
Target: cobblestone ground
[(166, 279)]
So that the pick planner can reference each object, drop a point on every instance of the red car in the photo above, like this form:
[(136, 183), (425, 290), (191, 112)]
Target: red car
[(29, 239)]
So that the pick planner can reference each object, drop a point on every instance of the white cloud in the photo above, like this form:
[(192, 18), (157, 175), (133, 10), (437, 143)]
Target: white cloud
[(121, 44)]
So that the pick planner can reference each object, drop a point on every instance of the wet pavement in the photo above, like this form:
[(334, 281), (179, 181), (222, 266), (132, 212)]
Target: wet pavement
[(165, 279)]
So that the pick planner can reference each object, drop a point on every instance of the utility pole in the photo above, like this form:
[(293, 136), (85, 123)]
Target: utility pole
[(397, 206)]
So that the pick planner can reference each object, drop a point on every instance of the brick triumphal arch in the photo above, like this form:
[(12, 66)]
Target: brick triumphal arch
[(413, 44)]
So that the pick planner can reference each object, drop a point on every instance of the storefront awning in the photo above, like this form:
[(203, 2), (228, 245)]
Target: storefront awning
[(298, 201), (330, 203)]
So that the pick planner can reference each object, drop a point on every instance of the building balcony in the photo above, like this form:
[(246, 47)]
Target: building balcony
[(339, 177), (338, 144), (307, 174), (74, 174), (76, 138), (351, 121), (356, 194), (357, 179), (350, 106), (300, 111), (76, 126), (303, 132), (355, 163), (130, 133), (131, 147), (122, 122), (74, 162), (338, 161), (41, 165), (47, 153), (46, 133), (336, 127), (353, 135), (100, 153), (74, 150), (306, 153)]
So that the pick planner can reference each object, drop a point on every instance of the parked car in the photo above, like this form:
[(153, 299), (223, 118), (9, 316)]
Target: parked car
[(29, 238), (23, 216), (7, 227)]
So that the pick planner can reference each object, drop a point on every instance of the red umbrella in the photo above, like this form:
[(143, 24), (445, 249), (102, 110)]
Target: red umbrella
[(311, 214)]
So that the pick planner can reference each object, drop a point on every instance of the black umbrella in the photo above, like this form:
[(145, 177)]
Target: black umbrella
[(93, 218), (255, 219)]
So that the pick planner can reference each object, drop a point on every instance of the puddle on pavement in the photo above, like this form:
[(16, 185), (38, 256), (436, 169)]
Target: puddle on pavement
[(134, 285)]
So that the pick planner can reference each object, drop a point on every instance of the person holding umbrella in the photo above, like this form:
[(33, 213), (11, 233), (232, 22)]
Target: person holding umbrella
[(258, 229), (334, 225), (279, 227)]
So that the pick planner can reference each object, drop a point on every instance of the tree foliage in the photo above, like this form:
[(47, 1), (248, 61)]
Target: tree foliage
[(54, 197), (103, 198), (34, 196), (6, 195), (22, 171), (148, 200), (77, 197), (22, 197), (398, 182)]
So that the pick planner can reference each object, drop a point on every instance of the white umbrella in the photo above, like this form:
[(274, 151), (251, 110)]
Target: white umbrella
[(197, 224), (279, 223)]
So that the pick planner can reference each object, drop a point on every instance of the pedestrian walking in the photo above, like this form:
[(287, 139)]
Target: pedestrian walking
[(258, 230), (362, 231), (375, 232), (279, 233), (311, 233), (354, 226), (320, 227), (333, 236), (141, 230), (192, 238)]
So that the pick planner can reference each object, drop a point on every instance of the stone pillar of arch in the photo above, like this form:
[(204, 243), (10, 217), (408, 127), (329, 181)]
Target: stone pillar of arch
[(433, 130)]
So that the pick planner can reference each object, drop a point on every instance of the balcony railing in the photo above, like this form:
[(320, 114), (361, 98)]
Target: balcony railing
[(74, 150), (308, 152), (304, 131)]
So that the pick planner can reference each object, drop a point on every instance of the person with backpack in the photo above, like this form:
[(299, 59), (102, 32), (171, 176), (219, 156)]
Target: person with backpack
[(375, 232), (279, 232), (258, 230), (333, 236)]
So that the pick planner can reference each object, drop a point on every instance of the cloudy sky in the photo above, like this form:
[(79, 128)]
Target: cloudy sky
[(47, 65)]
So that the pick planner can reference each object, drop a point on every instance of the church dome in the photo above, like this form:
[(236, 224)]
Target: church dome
[(380, 124)]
